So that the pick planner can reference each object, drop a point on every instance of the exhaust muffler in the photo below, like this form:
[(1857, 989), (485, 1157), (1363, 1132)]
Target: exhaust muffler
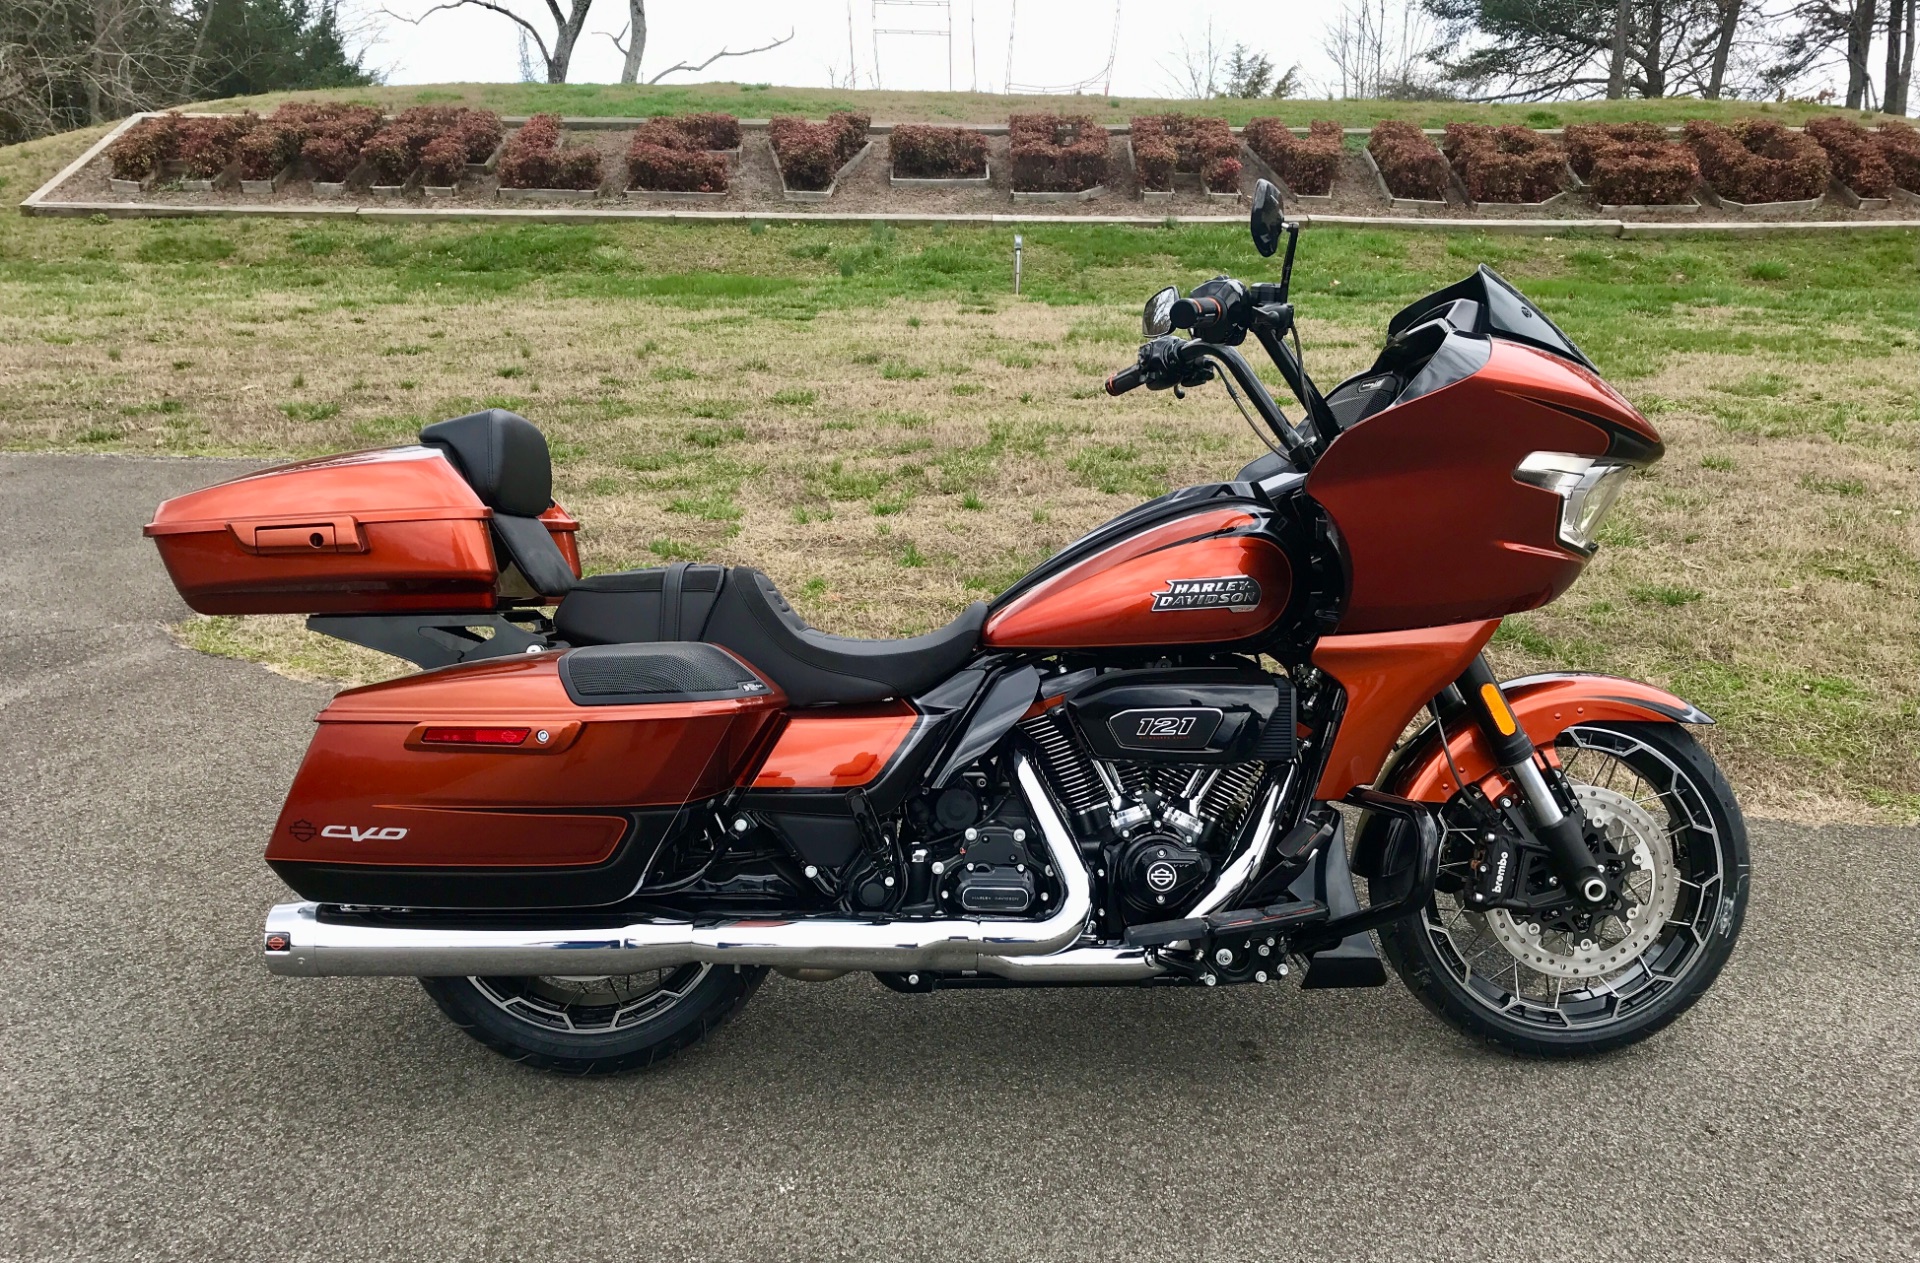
[(301, 944)]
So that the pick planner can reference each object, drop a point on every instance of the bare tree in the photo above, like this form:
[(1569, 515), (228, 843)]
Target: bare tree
[(1723, 47), (1197, 69), (1899, 81), (1617, 63), (1378, 49), (633, 48), (556, 50)]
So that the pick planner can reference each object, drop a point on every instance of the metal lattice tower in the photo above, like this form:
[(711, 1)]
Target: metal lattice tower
[(945, 8), (1102, 76)]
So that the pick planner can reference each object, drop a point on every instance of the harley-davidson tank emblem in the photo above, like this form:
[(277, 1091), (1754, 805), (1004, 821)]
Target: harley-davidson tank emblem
[(1230, 592)]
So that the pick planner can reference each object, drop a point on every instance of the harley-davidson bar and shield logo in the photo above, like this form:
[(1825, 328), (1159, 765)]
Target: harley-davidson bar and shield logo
[(1230, 592)]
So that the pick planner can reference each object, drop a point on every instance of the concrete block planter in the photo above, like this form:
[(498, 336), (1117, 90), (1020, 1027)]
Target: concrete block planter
[(1218, 198), (438, 191), (1854, 200), (817, 195), (685, 196), (131, 186), (338, 188), (203, 184), (1255, 163), (1906, 196), (1041, 198), (926, 182), (486, 168), (1555, 200), (1397, 203), (1762, 208), (548, 195), (269, 186), (1688, 207)]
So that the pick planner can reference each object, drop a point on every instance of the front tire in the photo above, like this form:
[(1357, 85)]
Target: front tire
[(596, 1026), (1537, 991)]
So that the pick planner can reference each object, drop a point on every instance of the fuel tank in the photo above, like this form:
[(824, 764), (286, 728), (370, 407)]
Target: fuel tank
[(1199, 567)]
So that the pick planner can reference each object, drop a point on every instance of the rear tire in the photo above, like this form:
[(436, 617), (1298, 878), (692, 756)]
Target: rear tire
[(585, 1026), (1593, 996)]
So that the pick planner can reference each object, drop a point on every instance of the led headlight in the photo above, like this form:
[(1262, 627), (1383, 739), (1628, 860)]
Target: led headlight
[(1587, 489)]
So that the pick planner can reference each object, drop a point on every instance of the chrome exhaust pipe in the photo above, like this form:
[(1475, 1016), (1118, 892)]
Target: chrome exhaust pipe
[(300, 944)]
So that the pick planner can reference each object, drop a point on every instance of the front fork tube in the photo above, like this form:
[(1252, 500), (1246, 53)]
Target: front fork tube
[(1513, 751)]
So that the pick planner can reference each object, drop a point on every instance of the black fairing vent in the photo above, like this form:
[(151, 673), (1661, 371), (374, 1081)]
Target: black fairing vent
[(617, 675)]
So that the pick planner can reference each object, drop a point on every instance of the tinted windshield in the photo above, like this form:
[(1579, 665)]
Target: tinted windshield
[(1507, 313)]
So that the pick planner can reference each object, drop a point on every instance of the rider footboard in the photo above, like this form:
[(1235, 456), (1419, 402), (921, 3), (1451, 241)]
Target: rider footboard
[(546, 780)]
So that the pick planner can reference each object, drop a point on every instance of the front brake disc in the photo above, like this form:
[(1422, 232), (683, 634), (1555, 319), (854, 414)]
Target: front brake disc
[(1649, 890)]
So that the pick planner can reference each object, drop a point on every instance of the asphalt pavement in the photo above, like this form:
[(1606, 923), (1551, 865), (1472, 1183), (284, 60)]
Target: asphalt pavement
[(164, 1098)]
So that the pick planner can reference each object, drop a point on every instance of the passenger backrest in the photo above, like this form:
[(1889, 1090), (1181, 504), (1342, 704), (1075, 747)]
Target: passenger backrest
[(504, 458)]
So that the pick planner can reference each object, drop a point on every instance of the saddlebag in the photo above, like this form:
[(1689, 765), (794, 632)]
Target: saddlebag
[(541, 780)]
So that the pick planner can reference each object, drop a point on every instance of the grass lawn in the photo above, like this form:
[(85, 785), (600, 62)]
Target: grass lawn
[(759, 100), (872, 417)]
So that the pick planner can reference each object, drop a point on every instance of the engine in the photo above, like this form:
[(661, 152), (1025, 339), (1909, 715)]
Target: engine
[(1159, 770)]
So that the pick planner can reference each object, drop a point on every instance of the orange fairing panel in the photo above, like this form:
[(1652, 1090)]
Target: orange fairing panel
[(1179, 583), (1388, 677), (1546, 706), (372, 791), (564, 528), (839, 749)]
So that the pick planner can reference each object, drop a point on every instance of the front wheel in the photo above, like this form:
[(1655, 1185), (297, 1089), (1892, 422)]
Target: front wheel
[(597, 1025), (1560, 987)]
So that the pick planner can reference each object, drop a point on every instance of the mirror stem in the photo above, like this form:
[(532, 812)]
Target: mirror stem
[(1286, 265)]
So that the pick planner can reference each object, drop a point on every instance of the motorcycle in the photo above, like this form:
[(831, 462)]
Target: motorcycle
[(590, 833)]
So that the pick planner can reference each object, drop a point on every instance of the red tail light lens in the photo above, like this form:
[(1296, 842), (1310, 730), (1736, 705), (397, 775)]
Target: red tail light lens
[(475, 736)]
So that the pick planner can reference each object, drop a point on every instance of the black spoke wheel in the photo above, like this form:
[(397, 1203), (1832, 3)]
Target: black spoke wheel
[(1567, 986), (596, 1025)]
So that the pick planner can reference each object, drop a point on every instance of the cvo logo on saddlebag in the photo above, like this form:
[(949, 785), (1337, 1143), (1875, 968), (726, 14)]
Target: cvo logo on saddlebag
[(1230, 592), (354, 833)]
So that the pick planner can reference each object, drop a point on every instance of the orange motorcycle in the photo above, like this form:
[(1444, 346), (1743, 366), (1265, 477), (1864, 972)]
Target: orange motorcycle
[(591, 832)]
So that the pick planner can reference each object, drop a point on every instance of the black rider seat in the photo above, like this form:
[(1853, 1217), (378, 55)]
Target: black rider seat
[(740, 610)]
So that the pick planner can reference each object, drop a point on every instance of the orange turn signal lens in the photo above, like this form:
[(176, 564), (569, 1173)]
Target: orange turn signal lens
[(475, 736), (1497, 707)]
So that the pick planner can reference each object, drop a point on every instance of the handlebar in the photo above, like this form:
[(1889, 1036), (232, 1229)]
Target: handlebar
[(1126, 379), (1170, 361)]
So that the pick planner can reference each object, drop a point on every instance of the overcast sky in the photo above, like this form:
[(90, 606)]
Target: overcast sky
[(1055, 42)]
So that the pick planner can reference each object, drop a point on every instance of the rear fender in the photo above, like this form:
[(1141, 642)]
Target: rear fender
[(1546, 706)]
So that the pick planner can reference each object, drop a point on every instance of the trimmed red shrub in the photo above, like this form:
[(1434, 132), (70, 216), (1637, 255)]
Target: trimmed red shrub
[(142, 149), (1183, 143), (1584, 140), (208, 144), (332, 157), (1409, 162), (266, 150), (1504, 164), (1899, 146), (938, 153), (390, 152), (1222, 175), (1307, 166), (1640, 174), (1758, 160), (1055, 153), (534, 159), (668, 156), (479, 134), (1857, 161), (443, 160), (1179, 142), (811, 154), (709, 131), (1154, 156)]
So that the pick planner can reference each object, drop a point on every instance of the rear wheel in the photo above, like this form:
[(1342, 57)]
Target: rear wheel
[(596, 1025), (1572, 985)]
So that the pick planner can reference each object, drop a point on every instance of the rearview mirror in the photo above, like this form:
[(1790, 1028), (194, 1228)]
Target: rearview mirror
[(1266, 221), (1157, 318)]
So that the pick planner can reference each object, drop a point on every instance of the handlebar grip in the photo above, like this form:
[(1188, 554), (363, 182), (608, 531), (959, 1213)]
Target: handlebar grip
[(1126, 379)]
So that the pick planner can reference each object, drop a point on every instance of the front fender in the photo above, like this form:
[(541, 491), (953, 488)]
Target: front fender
[(1546, 706)]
